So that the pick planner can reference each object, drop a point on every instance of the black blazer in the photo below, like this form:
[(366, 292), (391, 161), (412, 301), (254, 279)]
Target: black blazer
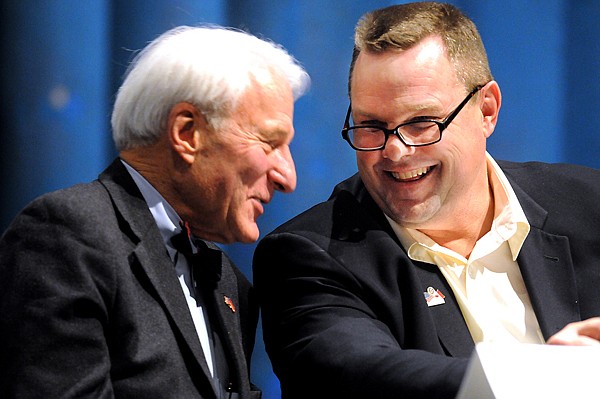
[(91, 306), (344, 313)]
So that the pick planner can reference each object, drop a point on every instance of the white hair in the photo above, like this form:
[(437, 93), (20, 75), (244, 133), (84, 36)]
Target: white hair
[(209, 67)]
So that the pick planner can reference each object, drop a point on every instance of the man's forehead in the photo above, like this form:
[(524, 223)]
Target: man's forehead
[(429, 50)]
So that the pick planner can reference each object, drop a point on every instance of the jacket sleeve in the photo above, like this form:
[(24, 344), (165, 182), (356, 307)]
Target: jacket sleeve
[(324, 332), (55, 280)]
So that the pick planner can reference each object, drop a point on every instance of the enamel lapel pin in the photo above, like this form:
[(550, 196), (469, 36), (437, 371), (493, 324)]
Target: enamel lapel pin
[(229, 303), (434, 297)]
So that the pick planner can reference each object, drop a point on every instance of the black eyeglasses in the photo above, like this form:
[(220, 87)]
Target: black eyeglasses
[(414, 133)]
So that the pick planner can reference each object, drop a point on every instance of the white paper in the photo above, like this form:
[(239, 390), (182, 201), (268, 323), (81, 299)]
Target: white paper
[(532, 371)]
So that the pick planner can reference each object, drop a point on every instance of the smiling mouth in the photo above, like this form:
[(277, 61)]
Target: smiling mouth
[(413, 175)]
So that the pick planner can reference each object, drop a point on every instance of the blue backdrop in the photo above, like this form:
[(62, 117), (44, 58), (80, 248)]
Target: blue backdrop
[(62, 61)]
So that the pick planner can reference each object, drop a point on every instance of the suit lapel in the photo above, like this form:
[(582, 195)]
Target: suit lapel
[(547, 268), (449, 321), (152, 257), (160, 272), (224, 308)]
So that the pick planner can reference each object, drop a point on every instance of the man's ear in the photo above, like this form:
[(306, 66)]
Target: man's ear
[(490, 107), (184, 127)]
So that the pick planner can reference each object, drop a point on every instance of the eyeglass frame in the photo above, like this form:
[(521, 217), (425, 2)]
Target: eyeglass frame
[(442, 125)]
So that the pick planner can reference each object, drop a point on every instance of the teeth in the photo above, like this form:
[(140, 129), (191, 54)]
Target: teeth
[(412, 174)]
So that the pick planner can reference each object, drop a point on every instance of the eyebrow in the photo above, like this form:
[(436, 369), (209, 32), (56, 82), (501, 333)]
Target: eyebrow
[(429, 105), (413, 110)]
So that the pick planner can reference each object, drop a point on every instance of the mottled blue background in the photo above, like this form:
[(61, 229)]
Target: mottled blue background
[(61, 62)]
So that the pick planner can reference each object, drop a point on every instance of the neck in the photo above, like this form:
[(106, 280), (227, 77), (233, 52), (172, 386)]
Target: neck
[(149, 166), (466, 227), (152, 163)]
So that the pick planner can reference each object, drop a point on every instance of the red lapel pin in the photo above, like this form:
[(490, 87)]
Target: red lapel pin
[(229, 303)]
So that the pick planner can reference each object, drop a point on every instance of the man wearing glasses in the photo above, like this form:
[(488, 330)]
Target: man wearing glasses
[(383, 290)]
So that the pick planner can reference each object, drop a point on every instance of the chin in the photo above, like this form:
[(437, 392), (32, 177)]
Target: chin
[(411, 218), (249, 235), (248, 239)]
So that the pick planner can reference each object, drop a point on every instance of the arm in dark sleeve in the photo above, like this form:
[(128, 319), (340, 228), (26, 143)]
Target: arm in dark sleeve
[(324, 332), (53, 306)]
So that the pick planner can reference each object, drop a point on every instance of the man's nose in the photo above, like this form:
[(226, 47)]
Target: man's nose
[(395, 149), (283, 174)]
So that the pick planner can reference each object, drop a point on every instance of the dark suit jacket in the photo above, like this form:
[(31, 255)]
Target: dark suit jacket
[(344, 315), (91, 306)]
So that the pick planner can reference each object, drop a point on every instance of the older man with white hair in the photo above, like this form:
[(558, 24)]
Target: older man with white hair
[(115, 288)]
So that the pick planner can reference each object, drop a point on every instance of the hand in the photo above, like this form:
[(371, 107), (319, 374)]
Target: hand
[(581, 333)]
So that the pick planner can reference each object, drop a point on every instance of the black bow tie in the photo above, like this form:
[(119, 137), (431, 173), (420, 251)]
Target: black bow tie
[(205, 263)]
